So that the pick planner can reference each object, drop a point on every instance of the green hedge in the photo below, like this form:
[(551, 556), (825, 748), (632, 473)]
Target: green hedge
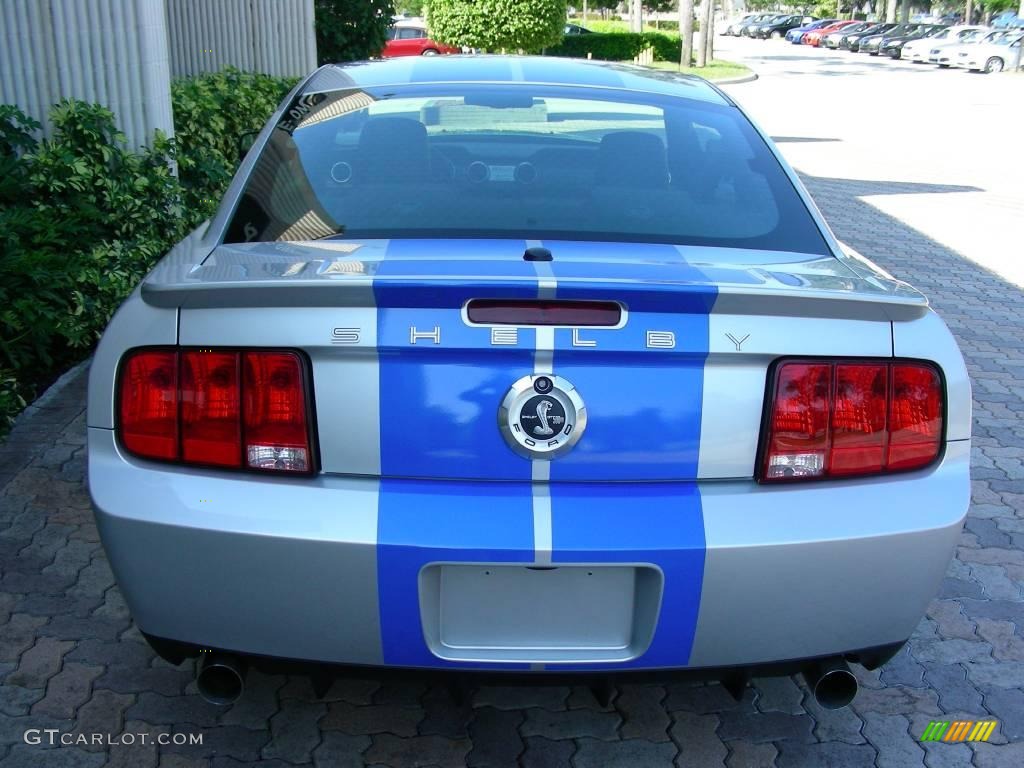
[(619, 46), (82, 218)]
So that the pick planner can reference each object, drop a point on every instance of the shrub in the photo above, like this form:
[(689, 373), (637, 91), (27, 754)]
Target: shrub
[(82, 218), (351, 30), (211, 113), (493, 25), (619, 46)]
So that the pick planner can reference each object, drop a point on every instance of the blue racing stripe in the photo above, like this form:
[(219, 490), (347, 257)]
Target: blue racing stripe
[(644, 414), (438, 412), (430, 521), (658, 523)]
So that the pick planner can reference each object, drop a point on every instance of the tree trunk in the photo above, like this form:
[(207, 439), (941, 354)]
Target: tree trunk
[(584, 12), (890, 11), (636, 19), (969, 12), (904, 11), (686, 32), (706, 33)]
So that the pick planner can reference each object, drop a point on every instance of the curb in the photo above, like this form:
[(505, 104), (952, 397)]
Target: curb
[(737, 80)]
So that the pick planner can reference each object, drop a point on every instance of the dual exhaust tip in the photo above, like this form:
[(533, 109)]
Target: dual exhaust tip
[(220, 678)]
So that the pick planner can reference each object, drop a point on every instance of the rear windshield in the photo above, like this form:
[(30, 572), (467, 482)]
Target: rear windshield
[(520, 161)]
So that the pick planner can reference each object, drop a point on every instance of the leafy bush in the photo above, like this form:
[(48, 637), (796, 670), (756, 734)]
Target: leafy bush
[(82, 218), (619, 46), (351, 30), (493, 25), (211, 113)]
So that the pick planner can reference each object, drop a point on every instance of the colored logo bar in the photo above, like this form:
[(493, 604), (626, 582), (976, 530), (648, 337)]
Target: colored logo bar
[(959, 730)]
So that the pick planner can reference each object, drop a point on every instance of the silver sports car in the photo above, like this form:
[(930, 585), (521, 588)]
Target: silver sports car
[(512, 364)]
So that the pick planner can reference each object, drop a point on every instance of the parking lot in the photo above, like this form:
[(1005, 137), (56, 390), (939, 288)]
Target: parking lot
[(920, 170)]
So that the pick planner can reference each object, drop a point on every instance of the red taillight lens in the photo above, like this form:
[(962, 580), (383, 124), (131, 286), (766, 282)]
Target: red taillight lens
[(216, 408), (276, 437), (149, 404), (210, 428), (843, 418)]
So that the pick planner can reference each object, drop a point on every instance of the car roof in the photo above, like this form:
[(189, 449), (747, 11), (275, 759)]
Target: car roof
[(537, 70)]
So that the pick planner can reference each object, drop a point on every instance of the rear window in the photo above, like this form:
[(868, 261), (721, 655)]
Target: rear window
[(520, 161)]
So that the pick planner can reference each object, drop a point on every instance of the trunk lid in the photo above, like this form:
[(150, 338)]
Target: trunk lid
[(406, 386)]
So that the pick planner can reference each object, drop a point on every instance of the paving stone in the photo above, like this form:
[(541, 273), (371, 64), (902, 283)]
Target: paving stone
[(890, 735), (795, 755), (950, 621), (954, 691), (521, 697), (843, 724), (167, 682), (96, 651), (743, 754), (18, 635), (226, 741), (1007, 704), (902, 669), (1005, 674), (592, 753), (373, 718), (706, 699), (39, 663), (897, 700), (698, 740), (545, 753), (779, 694), (295, 731), (339, 750), (15, 700), (942, 755), (418, 751), (987, 532), (573, 723), (1005, 756), (172, 710), (67, 690), (995, 583), (400, 693), (66, 757), (444, 717), (354, 690), (767, 726), (951, 651), (643, 713), (582, 697), (102, 713), (256, 706), (495, 737)]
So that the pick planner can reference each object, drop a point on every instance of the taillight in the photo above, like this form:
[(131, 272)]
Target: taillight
[(851, 417), (221, 408)]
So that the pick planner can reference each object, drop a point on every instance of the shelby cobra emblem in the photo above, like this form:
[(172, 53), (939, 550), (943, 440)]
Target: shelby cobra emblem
[(542, 416)]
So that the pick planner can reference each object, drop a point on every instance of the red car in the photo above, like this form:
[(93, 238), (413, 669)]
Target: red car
[(814, 37), (406, 39)]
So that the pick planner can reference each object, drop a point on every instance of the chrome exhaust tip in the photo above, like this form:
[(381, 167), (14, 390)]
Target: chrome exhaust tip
[(220, 678), (831, 682)]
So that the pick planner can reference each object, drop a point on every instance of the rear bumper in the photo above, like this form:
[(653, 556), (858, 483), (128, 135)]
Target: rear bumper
[(336, 570)]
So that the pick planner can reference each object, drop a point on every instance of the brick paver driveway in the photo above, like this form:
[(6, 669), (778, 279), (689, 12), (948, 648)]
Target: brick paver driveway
[(70, 658)]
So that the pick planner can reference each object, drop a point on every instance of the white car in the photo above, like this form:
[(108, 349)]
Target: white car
[(919, 50), (997, 55), (945, 55), (959, 55)]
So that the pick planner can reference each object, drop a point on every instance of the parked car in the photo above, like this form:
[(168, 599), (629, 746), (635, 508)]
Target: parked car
[(944, 53), (814, 38), (734, 27), (918, 50), (833, 39), (957, 55), (420, 399), (872, 44), (796, 36), (750, 27), (778, 28), (893, 46), (576, 29), (1007, 20), (851, 42), (996, 55), (411, 38)]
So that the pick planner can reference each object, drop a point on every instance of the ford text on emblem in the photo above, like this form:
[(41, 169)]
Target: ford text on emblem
[(542, 416)]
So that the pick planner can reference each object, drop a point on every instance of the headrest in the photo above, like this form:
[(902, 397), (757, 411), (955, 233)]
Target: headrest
[(632, 159), (393, 149)]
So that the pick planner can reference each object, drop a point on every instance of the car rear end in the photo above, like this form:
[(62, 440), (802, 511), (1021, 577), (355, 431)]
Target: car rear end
[(301, 442)]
